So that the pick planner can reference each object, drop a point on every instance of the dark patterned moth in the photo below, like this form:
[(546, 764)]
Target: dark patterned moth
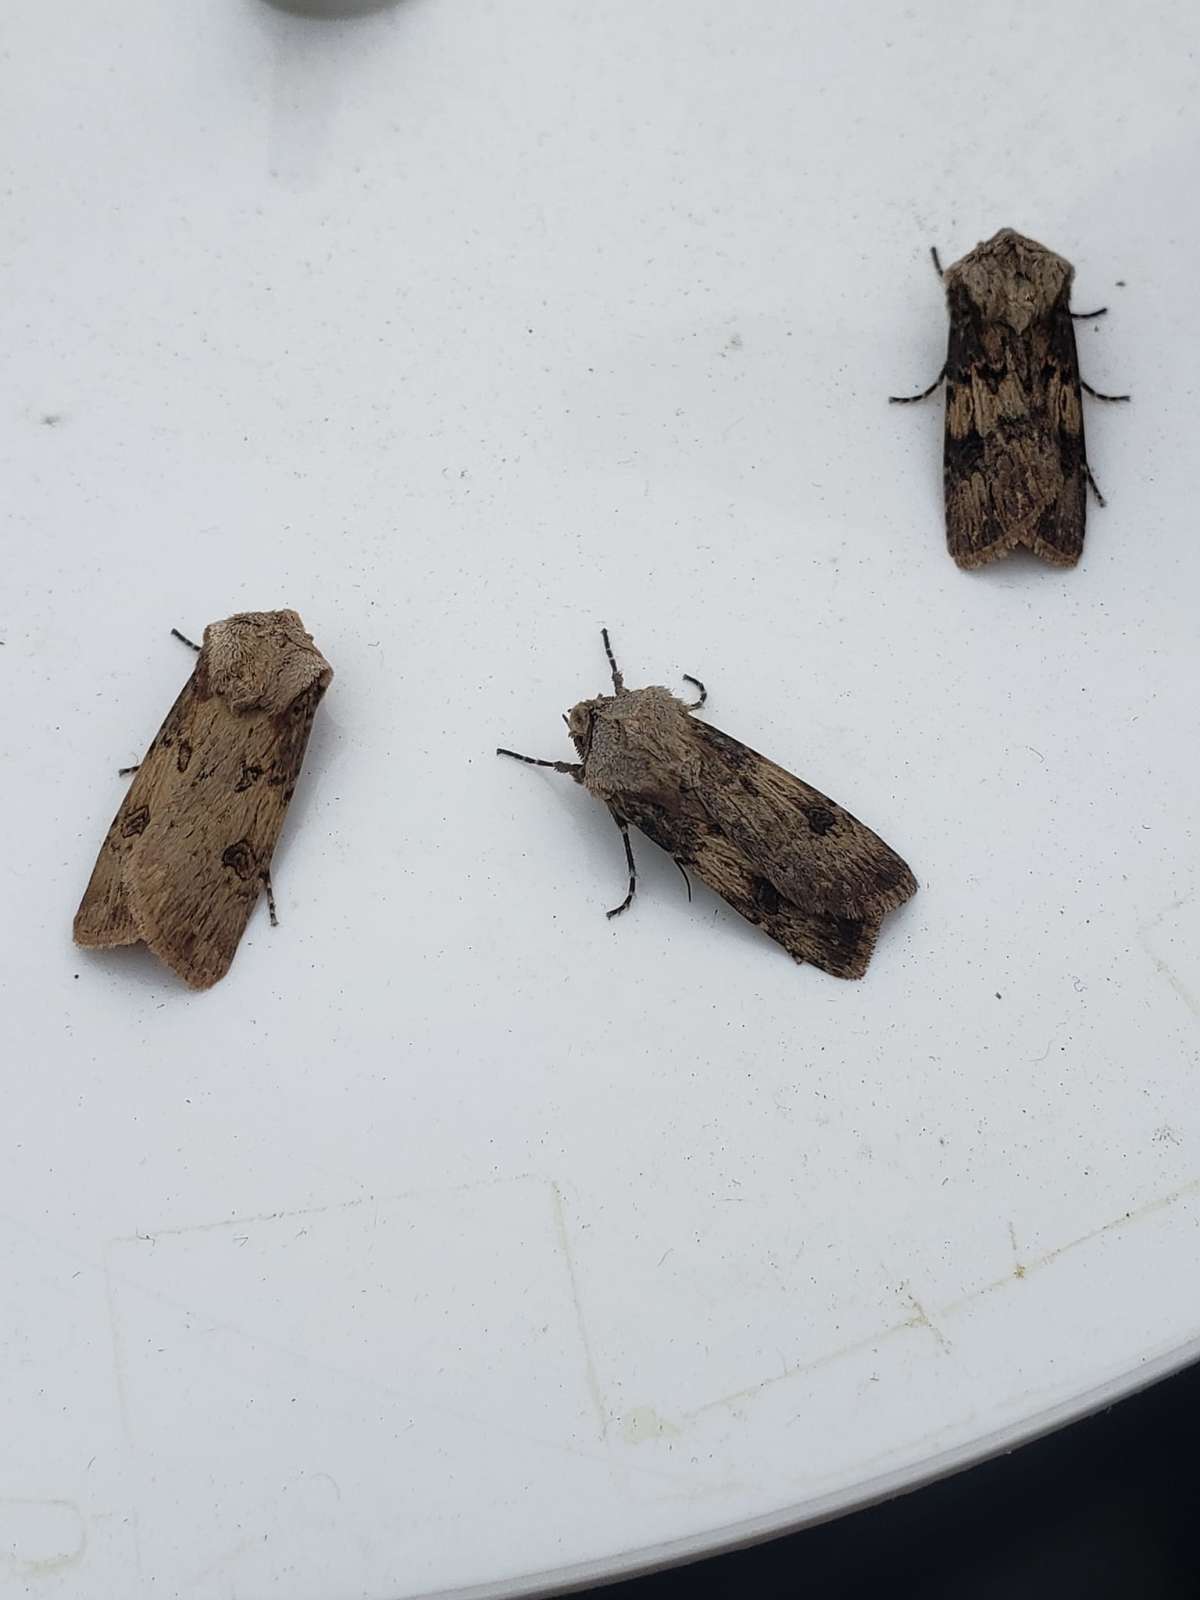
[(190, 848), (779, 852), (1015, 467)]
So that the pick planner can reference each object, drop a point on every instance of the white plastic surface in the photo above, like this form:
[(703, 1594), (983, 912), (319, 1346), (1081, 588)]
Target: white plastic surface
[(460, 1237)]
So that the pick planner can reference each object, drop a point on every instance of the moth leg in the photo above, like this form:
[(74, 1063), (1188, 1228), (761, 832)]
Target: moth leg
[(695, 682), (628, 900), (1086, 316), (126, 772), (183, 639), (1096, 395), (618, 680), (573, 769), (911, 399), (1100, 500), (937, 260), (686, 879), (266, 878)]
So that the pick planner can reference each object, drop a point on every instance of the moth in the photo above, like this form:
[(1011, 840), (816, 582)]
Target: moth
[(190, 848), (1014, 466), (779, 852)]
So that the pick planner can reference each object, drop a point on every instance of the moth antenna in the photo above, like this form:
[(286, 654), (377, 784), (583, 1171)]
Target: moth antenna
[(696, 684), (183, 639), (937, 260), (911, 399), (1086, 316), (618, 680), (571, 768), (686, 879)]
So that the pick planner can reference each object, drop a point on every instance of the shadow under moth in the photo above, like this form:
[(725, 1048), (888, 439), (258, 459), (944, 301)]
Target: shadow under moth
[(190, 848), (1015, 467), (779, 852)]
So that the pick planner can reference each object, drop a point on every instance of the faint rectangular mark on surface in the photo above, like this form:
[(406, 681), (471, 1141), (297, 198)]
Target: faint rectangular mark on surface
[(946, 1312), (253, 1356), (41, 1538), (593, 1380), (921, 1319)]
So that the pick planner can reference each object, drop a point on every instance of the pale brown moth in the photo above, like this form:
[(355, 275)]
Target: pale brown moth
[(1014, 464), (190, 848), (779, 852)]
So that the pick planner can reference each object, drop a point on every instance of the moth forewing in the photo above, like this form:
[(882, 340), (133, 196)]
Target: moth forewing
[(1014, 461), (190, 848), (782, 854)]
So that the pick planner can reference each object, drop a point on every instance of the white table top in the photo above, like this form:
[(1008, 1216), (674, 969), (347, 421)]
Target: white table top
[(460, 1237)]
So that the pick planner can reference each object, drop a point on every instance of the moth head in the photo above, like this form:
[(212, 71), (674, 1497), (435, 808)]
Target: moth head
[(261, 660), (581, 723), (1012, 279), (627, 717)]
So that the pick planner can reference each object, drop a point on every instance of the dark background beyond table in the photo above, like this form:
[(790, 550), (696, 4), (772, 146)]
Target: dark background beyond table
[(1105, 1508)]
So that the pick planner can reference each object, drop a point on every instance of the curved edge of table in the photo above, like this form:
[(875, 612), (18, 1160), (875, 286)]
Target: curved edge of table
[(839, 1502)]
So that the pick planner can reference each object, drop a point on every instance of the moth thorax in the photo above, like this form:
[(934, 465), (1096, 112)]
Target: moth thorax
[(261, 660), (1012, 279), (632, 738)]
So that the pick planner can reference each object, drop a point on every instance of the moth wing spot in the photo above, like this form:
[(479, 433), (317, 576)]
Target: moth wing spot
[(1047, 523), (849, 932), (136, 822), (820, 819), (766, 896), (250, 776), (240, 858)]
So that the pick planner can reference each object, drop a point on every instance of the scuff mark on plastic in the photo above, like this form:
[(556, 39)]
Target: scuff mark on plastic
[(564, 1240)]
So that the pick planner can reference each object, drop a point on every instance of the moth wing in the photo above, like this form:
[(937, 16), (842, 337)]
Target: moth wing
[(812, 850), (976, 531), (840, 945), (105, 918), (1014, 463), (1058, 537), (185, 857), (781, 853)]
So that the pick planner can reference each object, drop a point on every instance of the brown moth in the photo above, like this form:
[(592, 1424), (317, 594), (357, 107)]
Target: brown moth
[(1015, 466), (190, 848), (779, 852)]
